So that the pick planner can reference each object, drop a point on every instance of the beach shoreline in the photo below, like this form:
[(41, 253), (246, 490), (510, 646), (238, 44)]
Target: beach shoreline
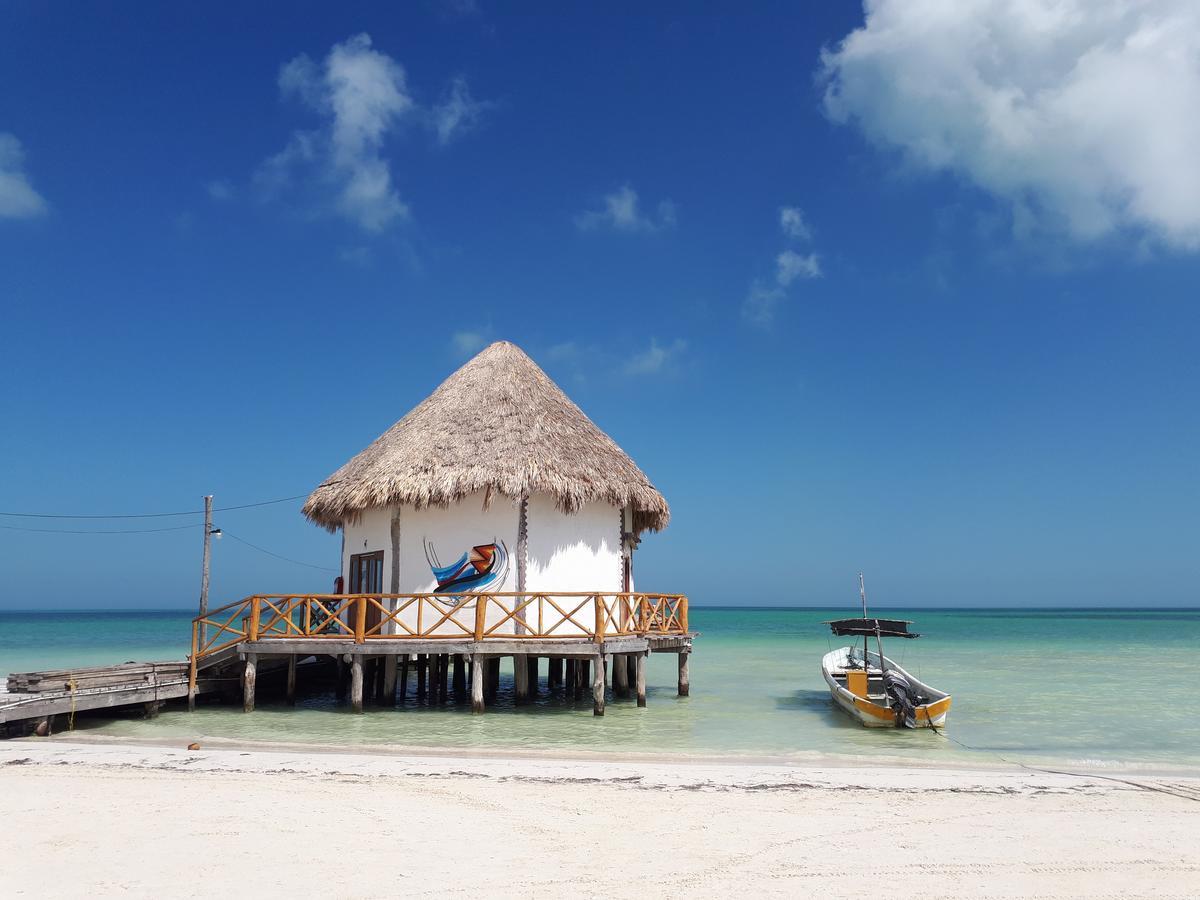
[(624, 827), (982, 761)]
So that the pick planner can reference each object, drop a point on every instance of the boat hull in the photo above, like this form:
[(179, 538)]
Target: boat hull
[(872, 712)]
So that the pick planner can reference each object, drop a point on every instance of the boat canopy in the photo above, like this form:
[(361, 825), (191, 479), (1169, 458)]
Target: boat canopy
[(872, 627)]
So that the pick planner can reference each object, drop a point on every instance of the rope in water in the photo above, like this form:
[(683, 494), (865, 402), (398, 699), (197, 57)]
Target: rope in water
[(1012, 762)]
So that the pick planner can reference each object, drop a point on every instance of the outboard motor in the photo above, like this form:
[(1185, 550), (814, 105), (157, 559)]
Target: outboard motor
[(896, 686)]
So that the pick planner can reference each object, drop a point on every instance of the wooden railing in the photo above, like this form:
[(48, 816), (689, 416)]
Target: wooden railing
[(478, 617)]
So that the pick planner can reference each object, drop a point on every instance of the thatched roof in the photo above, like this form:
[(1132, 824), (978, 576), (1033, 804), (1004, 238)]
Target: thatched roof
[(497, 425)]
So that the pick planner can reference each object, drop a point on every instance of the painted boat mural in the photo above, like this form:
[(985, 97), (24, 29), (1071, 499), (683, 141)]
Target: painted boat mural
[(479, 567)]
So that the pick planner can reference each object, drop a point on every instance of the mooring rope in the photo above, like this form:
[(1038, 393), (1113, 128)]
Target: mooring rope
[(1013, 762)]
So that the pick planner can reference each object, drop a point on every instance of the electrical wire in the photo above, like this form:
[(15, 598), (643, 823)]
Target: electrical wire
[(193, 512), (117, 531), (276, 555)]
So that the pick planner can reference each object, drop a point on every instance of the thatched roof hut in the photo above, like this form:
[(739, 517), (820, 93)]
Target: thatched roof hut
[(499, 425)]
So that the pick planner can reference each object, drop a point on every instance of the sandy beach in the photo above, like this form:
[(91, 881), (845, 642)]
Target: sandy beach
[(107, 819)]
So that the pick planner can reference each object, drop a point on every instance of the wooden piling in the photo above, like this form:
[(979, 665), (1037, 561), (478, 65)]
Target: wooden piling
[(582, 673), (533, 677), (443, 677), (493, 678), (421, 666), (389, 679), (521, 677), (460, 677), (476, 683), (684, 682), (641, 678), (356, 683), (249, 677), (598, 686), (620, 675), (553, 672), (403, 676), (291, 679), (569, 681), (341, 678)]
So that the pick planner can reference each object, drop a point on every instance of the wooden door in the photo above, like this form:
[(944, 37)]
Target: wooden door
[(366, 577)]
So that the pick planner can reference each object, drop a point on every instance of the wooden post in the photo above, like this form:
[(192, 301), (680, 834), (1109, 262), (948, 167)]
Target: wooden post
[(460, 677), (598, 686), (191, 697), (291, 680), (533, 677), (684, 684), (620, 675), (421, 666), (249, 677), (581, 677), (389, 679), (341, 677), (403, 676), (569, 681), (476, 683), (493, 678), (356, 683), (521, 677), (360, 619), (443, 677), (641, 678), (480, 616)]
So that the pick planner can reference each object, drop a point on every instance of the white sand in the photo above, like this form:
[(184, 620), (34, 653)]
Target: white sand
[(146, 821)]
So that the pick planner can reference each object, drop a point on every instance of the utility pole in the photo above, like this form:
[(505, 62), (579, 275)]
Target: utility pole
[(204, 570)]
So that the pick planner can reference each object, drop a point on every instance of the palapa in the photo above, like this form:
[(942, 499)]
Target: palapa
[(499, 425)]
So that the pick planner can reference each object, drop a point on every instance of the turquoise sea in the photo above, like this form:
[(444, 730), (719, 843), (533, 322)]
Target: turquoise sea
[(1079, 687)]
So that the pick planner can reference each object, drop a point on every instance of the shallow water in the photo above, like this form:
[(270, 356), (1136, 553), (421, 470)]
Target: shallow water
[(1080, 687)]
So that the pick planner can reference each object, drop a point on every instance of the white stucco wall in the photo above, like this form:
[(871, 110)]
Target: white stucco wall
[(577, 552), (566, 553)]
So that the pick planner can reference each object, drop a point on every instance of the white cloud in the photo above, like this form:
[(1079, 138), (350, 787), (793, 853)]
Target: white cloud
[(18, 199), (468, 343), (761, 302), (457, 113), (1081, 114), (790, 265), (793, 224), (219, 189), (656, 359), (361, 94), (763, 298), (621, 212)]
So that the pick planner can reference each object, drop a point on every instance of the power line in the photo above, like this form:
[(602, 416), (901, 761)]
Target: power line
[(118, 531), (194, 512), (276, 555)]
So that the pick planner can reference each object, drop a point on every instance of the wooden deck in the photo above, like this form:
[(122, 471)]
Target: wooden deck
[(587, 634), (589, 642)]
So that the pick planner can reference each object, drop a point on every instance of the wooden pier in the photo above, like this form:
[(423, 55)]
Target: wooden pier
[(590, 640), (450, 645), (39, 699)]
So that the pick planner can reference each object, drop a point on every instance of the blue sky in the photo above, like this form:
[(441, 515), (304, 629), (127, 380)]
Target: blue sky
[(912, 292)]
